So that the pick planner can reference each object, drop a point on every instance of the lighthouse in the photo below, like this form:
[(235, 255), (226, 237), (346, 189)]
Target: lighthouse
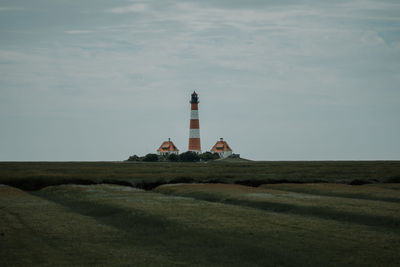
[(194, 134)]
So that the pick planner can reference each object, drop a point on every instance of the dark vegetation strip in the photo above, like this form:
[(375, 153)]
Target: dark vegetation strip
[(37, 184), (32, 184), (36, 175), (380, 222)]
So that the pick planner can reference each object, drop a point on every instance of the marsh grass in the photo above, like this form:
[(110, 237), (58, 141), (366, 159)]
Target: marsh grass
[(384, 192), (88, 213), (381, 214), (36, 175), (118, 226)]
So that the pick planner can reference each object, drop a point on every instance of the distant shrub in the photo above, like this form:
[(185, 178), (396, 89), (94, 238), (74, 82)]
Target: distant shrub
[(178, 180), (359, 182), (134, 158), (162, 158), (150, 157), (209, 156), (173, 157), (395, 179), (189, 156)]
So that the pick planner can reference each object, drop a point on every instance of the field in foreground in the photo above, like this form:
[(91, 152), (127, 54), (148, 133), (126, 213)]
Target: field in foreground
[(201, 225)]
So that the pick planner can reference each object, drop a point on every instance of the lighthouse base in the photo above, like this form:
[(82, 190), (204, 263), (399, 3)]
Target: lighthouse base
[(194, 143)]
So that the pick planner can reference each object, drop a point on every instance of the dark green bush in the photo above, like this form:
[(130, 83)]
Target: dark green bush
[(134, 158), (209, 156), (189, 156), (150, 157), (173, 157)]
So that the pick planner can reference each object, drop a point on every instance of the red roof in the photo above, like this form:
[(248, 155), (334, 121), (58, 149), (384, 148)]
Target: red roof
[(221, 146), (167, 146)]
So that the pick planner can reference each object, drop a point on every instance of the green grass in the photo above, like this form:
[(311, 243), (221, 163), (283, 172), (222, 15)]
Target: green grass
[(112, 225), (36, 175), (300, 214), (384, 192), (370, 212)]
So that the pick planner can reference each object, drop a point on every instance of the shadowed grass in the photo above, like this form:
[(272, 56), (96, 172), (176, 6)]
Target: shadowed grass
[(157, 233), (118, 226), (385, 216)]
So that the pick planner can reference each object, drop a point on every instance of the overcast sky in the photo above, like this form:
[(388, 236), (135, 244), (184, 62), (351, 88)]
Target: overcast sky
[(279, 80)]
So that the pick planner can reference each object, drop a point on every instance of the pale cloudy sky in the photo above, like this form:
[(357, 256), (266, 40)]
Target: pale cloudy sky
[(279, 80)]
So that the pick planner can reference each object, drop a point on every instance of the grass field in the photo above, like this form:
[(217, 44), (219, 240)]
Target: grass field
[(35, 175), (201, 224)]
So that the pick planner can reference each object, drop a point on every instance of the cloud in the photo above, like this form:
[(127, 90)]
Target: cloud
[(10, 8), (370, 4), (134, 8), (324, 65), (78, 31)]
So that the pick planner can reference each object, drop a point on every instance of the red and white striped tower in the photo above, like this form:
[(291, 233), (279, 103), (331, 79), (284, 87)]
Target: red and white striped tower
[(194, 136)]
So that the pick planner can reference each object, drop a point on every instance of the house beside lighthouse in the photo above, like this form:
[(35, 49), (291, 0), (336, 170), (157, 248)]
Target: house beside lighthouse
[(167, 148), (222, 149)]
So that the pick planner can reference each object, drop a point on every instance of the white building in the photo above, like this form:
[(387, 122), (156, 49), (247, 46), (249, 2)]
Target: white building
[(167, 148), (222, 148)]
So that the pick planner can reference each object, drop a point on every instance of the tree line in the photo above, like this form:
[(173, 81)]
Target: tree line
[(188, 156)]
